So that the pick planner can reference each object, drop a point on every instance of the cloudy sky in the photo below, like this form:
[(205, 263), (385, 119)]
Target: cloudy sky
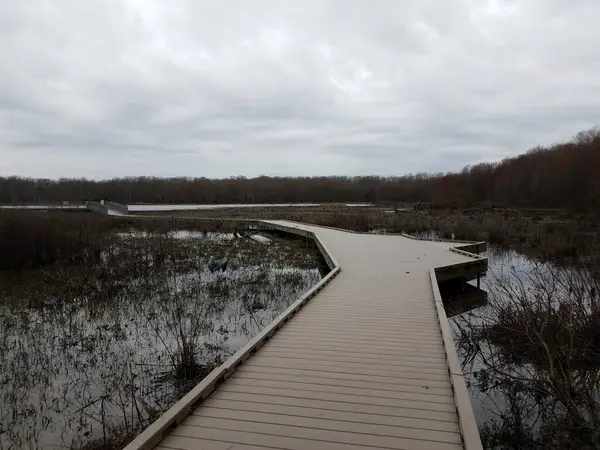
[(103, 88)]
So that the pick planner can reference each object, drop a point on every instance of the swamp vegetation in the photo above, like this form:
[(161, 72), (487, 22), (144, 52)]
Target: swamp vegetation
[(531, 352), (531, 355), (105, 324)]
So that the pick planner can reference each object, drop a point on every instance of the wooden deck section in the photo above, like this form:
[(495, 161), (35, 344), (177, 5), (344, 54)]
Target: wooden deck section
[(363, 360)]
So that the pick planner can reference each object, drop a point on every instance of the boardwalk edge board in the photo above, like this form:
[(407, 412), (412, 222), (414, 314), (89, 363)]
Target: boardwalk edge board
[(466, 418)]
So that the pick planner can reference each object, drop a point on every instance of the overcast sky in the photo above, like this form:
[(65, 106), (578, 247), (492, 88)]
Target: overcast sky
[(103, 88)]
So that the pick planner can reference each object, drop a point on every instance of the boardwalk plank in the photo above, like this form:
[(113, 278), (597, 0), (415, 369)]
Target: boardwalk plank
[(320, 423), (375, 379), (345, 416), (398, 411), (324, 436)]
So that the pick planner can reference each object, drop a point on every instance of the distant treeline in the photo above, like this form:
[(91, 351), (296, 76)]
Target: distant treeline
[(564, 175)]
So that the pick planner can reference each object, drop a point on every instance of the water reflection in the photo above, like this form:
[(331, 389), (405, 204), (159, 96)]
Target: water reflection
[(460, 298), (95, 353), (531, 355)]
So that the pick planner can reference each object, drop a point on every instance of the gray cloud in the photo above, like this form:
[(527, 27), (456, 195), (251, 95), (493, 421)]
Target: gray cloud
[(144, 87)]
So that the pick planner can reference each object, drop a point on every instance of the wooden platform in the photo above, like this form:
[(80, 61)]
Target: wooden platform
[(364, 360)]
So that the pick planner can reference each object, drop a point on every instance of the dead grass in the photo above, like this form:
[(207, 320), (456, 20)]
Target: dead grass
[(39, 239)]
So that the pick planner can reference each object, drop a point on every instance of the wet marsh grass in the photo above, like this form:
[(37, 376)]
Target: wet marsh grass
[(33, 239), (92, 352)]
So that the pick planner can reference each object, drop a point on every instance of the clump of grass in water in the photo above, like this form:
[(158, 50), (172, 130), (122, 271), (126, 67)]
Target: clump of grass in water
[(219, 288), (186, 366)]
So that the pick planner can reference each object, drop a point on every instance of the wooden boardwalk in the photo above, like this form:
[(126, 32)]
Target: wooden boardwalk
[(364, 360)]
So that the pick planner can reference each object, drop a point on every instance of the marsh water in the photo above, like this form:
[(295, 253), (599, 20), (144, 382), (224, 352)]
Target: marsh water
[(487, 405), (530, 354), (91, 354)]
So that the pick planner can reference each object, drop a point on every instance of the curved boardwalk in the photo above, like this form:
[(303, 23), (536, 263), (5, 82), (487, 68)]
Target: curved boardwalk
[(368, 362)]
